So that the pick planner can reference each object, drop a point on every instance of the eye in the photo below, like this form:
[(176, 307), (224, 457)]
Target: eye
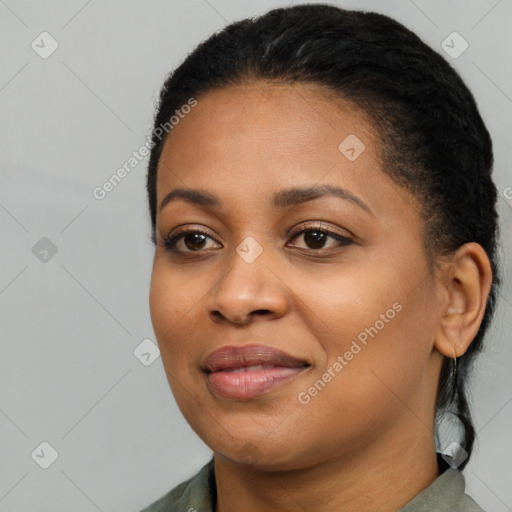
[(316, 236), (191, 238), (194, 239)]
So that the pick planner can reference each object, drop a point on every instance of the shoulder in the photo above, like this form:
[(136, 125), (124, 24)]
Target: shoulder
[(192, 494), (445, 494)]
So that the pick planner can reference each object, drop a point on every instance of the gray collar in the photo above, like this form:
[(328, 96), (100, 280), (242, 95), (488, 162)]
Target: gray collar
[(445, 494)]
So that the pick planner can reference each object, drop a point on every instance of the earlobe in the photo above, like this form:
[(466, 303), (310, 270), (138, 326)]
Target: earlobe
[(466, 284)]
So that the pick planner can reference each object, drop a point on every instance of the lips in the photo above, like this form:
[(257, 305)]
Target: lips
[(246, 372), (243, 357)]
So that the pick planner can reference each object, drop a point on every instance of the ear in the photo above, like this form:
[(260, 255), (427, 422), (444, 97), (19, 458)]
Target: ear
[(465, 283)]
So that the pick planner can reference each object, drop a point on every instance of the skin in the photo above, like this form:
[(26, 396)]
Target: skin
[(374, 421)]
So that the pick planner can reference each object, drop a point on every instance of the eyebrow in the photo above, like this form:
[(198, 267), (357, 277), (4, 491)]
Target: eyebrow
[(287, 198)]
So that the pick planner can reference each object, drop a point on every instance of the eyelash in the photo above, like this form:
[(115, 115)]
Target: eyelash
[(170, 242)]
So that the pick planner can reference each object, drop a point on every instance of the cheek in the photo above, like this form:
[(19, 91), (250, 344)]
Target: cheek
[(374, 317), (169, 306), (347, 301), (385, 352)]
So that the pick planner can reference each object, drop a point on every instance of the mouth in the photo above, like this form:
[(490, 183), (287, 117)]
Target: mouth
[(249, 371)]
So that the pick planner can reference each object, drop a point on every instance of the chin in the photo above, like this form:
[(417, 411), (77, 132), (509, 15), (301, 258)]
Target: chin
[(263, 456)]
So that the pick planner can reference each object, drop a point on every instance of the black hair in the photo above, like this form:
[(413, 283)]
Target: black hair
[(432, 139)]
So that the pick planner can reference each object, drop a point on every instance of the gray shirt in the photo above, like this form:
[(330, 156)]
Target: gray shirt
[(198, 494)]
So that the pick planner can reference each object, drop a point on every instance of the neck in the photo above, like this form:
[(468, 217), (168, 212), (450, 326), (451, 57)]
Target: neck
[(382, 479)]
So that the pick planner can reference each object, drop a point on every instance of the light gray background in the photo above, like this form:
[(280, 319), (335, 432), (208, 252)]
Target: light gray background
[(70, 325)]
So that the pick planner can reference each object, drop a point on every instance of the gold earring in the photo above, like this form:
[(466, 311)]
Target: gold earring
[(455, 369)]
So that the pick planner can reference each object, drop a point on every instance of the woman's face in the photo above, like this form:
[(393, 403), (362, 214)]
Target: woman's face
[(360, 312)]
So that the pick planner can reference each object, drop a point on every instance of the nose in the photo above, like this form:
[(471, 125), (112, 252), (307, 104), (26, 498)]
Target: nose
[(246, 291)]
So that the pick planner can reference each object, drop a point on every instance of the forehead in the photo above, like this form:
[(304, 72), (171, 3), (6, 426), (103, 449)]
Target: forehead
[(257, 137), (269, 123), (286, 111)]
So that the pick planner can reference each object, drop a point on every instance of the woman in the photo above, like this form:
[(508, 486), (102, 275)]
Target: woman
[(325, 265)]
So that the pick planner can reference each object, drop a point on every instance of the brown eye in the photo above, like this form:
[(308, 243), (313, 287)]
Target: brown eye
[(316, 237), (193, 239)]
